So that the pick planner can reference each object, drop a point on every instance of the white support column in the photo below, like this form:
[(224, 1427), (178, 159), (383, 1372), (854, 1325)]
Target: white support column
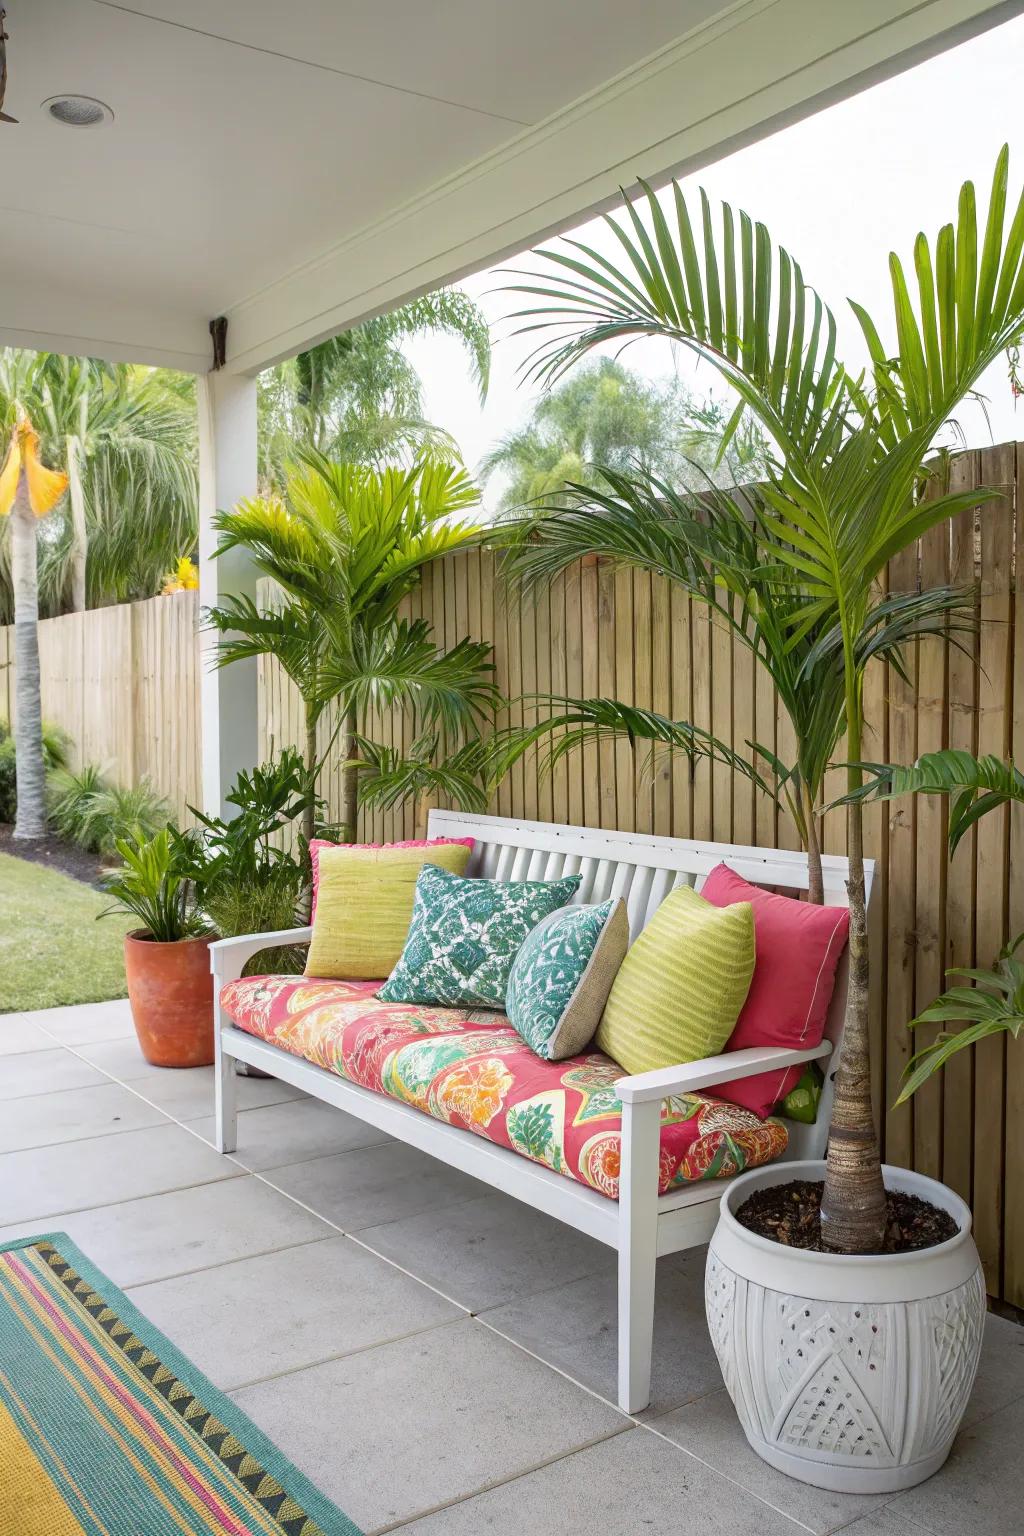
[(227, 473)]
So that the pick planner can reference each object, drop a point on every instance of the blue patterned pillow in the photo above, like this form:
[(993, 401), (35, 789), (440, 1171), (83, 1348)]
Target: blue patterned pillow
[(562, 976), (465, 934)]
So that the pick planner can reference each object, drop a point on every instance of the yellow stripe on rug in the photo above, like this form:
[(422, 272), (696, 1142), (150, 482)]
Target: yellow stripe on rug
[(33, 1505)]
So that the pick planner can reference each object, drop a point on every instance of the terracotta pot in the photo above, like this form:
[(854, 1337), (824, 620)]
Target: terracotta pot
[(170, 989)]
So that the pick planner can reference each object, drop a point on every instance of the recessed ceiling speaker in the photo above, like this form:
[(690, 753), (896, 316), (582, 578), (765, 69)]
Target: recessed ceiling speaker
[(78, 111)]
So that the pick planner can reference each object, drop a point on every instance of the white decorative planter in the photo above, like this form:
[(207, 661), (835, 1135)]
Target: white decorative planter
[(849, 1373)]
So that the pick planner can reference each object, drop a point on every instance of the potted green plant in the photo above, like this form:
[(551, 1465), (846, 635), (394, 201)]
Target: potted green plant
[(850, 1358), (166, 959)]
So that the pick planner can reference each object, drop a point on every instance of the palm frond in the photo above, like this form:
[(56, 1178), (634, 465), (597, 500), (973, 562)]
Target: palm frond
[(993, 1005), (387, 778), (398, 665), (574, 723), (734, 298), (975, 785)]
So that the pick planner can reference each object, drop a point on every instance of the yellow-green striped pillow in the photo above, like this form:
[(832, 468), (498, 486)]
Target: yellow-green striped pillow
[(680, 989), (364, 898)]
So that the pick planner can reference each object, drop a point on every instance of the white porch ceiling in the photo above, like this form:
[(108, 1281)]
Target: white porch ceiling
[(298, 165)]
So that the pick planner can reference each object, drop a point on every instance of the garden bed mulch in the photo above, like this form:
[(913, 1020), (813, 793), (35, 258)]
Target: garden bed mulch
[(54, 854)]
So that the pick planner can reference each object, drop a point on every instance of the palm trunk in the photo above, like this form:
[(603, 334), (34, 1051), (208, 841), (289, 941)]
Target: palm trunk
[(30, 764), (853, 1209), (349, 829), (308, 814), (79, 536), (815, 880)]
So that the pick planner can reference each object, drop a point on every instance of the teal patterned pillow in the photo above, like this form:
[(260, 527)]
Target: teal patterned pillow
[(464, 936), (562, 976)]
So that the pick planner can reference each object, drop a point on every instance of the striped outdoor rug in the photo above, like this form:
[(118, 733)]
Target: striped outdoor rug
[(106, 1430)]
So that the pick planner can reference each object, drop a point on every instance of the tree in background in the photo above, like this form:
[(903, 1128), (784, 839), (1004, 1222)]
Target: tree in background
[(126, 438), (345, 543), (606, 415), (28, 492), (357, 398)]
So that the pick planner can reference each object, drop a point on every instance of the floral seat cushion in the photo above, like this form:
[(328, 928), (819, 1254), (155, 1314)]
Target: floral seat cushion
[(470, 1068)]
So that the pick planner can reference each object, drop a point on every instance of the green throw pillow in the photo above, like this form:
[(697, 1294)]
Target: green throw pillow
[(464, 936), (561, 977), (801, 1102), (680, 989)]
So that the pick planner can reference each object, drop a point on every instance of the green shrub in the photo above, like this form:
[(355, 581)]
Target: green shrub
[(56, 747), (8, 779), (114, 813), (70, 803), (86, 809), (244, 880)]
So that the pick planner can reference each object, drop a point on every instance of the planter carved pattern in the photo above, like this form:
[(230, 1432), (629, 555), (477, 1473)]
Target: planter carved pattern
[(850, 1372), (838, 1380)]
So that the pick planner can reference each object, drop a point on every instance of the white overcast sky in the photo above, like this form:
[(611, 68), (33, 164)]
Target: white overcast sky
[(839, 190)]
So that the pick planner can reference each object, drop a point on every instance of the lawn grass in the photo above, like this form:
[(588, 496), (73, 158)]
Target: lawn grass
[(52, 949)]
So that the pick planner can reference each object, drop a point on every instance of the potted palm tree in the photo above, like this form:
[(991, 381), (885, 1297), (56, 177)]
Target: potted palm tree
[(849, 1337), (166, 959)]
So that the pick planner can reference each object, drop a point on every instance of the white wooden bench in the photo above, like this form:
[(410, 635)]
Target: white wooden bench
[(641, 1225)]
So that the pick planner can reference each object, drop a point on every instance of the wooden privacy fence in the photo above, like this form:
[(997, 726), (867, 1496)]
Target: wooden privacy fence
[(622, 634), (123, 682)]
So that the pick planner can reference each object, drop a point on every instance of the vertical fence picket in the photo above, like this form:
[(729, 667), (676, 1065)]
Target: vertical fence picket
[(962, 686), (995, 680)]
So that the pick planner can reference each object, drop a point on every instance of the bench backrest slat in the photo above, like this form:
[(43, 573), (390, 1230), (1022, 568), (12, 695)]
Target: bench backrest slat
[(643, 869)]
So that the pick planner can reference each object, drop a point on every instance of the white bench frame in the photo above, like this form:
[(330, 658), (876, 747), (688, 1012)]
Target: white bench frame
[(641, 1225)]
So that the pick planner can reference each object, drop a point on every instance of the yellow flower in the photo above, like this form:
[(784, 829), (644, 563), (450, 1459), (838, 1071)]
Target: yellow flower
[(45, 486), (184, 578)]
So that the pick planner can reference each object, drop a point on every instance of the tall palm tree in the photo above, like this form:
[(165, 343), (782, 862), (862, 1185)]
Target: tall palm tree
[(357, 398), (845, 476), (126, 437), (720, 548), (606, 415), (28, 492), (345, 544)]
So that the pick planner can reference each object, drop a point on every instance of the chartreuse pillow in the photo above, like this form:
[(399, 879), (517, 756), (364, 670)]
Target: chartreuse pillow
[(364, 900), (561, 977), (464, 936), (680, 989)]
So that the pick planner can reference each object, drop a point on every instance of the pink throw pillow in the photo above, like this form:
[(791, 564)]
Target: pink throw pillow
[(798, 949), (414, 842)]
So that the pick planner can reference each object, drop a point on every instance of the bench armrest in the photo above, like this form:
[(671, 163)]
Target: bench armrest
[(727, 1068), (228, 956)]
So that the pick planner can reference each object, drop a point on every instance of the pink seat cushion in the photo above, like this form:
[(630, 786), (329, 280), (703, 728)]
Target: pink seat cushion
[(798, 948), (472, 1069)]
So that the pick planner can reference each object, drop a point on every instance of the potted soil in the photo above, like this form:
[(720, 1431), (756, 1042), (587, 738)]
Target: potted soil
[(167, 962), (851, 1372)]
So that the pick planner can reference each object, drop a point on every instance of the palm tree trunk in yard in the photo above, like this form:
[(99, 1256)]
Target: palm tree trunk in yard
[(853, 1208), (79, 537), (30, 765)]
